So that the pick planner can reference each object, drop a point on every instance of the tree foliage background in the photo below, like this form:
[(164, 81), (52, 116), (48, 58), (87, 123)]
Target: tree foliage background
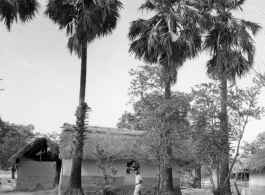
[(14, 137)]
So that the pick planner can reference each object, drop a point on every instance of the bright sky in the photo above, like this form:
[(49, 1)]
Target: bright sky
[(41, 78)]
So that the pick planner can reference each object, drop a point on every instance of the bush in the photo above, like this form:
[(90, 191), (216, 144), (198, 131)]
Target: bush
[(108, 174), (116, 191), (149, 190)]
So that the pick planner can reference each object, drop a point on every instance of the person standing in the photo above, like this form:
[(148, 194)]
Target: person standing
[(138, 183)]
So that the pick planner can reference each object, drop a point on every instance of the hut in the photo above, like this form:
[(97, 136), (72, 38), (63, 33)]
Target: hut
[(239, 171), (38, 165), (256, 166), (119, 143)]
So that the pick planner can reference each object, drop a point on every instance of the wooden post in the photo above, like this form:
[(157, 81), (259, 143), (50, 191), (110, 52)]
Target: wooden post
[(41, 150)]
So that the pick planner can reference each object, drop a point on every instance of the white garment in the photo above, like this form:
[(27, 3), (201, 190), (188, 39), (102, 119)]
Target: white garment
[(138, 184), (138, 179)]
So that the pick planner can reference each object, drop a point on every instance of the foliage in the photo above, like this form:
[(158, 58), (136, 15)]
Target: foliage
[(14, 137), (54, 136), (231, 48), (11, 11), (164, 120), (129, 121), (229, 40), (84, 20), (108, 172), (205, 120), (168, 38), (253, 147), (149, 190)]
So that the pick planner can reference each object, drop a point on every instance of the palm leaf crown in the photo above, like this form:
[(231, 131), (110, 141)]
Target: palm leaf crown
[(84, 19), (229, 40), (168, 38), (12, 10)]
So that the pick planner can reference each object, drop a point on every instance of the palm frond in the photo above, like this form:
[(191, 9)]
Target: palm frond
[(137, 28), (211, 40), (168, 38), (61, 13), (112, 15), (238, 65), (10, 11), (254, 27), (96, 19), (27, 9), (74, 46), (148, 5)]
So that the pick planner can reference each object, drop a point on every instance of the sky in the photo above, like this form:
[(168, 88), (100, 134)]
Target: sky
[(41, 78)]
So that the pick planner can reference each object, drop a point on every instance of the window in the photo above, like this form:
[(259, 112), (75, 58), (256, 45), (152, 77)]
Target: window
[(132, 166)]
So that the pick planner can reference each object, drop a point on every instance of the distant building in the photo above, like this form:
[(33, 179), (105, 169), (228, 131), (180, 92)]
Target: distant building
[(239, 171), (38, 165), (256, 166)]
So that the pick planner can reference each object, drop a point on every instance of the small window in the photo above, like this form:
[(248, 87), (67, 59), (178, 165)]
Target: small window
[(132, 166)]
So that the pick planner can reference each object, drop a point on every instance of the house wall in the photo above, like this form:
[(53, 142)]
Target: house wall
[(257, 179), (90, 173), (36, 175)]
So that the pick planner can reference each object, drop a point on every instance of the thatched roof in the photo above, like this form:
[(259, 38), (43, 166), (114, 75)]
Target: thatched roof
[(240, 165), (257, 161), (115, 142), (54, 147)]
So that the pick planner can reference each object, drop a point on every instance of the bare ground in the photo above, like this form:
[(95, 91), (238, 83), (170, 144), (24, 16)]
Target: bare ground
[(7, 187)]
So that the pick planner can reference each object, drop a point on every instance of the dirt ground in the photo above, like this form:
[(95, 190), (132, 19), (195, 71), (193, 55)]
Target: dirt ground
[(7, 187), (196, 192)]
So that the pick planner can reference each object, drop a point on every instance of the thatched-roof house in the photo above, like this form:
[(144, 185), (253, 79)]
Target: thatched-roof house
[(38, 165), (119, 143), (240, 172), (256, 166)]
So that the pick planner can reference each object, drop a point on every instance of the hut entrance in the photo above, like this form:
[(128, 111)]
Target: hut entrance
[(132, 166)]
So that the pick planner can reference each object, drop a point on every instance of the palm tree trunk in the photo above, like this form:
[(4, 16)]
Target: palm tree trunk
[(224, 165), (168, 182), (75, 184)]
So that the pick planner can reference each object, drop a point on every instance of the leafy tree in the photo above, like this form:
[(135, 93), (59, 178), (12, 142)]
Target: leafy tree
[(12, 10), (14, 137), (165, 114), (156, 115), (253, 147), (84, 21), (108, 172), (54, 136), (206, 122), (259, 142), (169, 38), (232, 50), (206, 127), (129, 121)]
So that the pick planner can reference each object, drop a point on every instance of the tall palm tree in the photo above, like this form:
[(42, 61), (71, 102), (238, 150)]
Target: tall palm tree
[(12, 10), (232, 51), (84, 21), (169, 38)]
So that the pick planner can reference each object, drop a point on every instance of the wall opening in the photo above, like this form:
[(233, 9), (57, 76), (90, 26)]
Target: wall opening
[(132, 166)]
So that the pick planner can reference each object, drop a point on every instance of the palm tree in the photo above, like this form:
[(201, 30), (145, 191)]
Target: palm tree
[(232, 50), (12, 10), (84, 21), (169, 38)]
